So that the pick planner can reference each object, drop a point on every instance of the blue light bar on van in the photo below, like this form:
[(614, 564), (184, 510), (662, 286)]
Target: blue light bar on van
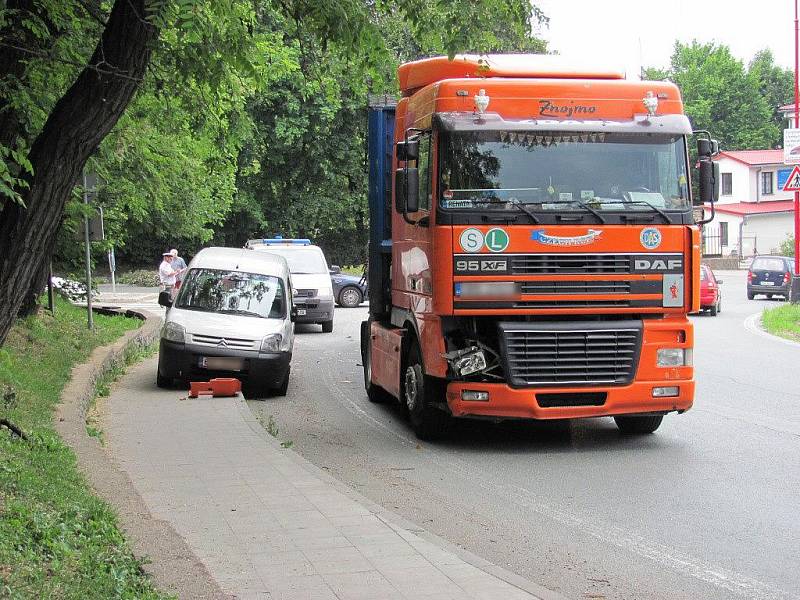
[(284, 242)]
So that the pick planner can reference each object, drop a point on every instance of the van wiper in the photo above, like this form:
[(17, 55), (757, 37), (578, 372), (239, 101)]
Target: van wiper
[(519, 206), (648, 205), (236, 311)]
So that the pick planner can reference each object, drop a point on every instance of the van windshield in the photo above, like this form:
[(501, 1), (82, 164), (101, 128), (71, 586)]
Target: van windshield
[(301, 260), (233, 292)]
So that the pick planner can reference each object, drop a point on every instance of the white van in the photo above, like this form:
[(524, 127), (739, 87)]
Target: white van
[(313, 289), (232, 317)]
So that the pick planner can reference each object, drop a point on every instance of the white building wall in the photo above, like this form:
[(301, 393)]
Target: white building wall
[(741, 185), (770, 229)]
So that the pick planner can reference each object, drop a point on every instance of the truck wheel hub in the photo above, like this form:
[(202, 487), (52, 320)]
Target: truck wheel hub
[(411, 388)]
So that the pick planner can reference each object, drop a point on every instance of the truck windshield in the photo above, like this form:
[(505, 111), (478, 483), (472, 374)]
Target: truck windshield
[(556, 171), (233, 292)]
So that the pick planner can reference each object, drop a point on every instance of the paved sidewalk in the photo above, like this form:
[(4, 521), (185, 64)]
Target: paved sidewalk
[(268, 524)]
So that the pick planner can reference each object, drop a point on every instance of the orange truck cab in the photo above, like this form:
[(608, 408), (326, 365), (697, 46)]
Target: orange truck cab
[(533, 248)]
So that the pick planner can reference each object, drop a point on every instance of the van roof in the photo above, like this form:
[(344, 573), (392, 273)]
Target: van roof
[(240, 259)]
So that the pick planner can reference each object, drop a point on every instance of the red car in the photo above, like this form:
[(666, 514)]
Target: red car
[(710, 294)]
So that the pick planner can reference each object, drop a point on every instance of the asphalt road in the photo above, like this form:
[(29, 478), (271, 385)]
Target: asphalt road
[(707, 507)]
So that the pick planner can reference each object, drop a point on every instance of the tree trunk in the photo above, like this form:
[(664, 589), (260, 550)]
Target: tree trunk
[(76, 126)]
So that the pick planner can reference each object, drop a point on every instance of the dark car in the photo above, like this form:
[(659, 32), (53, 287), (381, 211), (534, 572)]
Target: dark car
[(710, 294), (771, 276), (348, 290)]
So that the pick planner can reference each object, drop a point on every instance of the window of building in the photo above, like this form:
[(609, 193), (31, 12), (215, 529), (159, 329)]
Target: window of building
[(723, 233), (727, 184), (766, 183)]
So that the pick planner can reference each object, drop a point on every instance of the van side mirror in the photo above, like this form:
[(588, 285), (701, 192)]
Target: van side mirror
[(406, 189), (407, 150), (293, 314), (165, 299), (335, 269)]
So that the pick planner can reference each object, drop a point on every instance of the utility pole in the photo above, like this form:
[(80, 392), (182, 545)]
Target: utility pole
[(795, 292), (88, 241)]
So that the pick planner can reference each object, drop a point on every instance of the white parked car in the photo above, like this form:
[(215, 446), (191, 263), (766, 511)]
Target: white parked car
[(313, 290), (232, 317)]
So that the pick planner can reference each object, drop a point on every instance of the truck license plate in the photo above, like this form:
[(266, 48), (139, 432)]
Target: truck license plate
[(221, 363), (301, 311)]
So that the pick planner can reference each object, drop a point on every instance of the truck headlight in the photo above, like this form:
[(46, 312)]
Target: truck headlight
[(173, 332), (674, 357), (271, 343)]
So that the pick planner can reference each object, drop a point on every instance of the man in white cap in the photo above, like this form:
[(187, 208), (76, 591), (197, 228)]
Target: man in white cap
[(179, 265), (166, 273)]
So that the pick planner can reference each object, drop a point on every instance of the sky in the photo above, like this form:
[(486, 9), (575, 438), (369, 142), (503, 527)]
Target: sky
[(635, 33)]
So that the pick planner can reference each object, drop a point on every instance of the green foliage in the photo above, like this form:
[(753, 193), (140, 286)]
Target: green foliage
[(58, 539), (736, 104), (786, 247), (141, 278)]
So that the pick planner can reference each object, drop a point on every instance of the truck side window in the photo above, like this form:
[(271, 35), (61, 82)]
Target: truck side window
[(424, 166)]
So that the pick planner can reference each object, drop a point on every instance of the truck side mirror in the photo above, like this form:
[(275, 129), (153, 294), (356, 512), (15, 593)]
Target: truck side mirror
[(703, 147), (408, 150), (709, 180), (165, 299), (406, 190), (293, 314)]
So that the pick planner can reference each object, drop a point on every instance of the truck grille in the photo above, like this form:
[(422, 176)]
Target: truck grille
[(575, 287), (535, 264), (570, 354)]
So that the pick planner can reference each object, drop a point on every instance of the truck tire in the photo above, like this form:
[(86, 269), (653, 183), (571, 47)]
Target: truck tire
[(639, 425), (419, 393), (327, 326), (375, 393)]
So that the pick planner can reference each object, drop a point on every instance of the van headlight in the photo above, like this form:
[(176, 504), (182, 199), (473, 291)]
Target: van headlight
[(674, 357), (271, 343), (173, 332)]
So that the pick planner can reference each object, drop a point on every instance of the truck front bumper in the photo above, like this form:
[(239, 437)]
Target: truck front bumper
[(526, 403)]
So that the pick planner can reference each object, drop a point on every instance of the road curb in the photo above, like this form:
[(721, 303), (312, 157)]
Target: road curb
[(174, 568), (753, 325), (395, 521)]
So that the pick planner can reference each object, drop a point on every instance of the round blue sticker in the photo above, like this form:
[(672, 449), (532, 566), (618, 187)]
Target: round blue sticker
[(650, 238)]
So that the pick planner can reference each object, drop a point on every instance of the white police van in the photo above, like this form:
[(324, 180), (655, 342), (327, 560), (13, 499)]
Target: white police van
[(312, 288)]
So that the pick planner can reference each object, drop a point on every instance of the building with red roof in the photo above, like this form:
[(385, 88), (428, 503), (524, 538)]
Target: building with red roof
[(753, 214)]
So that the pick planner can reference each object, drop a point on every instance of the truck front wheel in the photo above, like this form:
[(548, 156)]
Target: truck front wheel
[(639, 425), (420, 392)]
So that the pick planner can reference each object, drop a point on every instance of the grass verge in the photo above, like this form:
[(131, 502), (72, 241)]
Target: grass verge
[(783, 321), (57, 540)]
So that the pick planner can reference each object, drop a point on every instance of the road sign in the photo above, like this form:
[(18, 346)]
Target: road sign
[(791, 146), (793, 182)]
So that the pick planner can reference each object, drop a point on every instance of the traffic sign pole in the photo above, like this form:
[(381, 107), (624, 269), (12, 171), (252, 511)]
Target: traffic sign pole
[(794, 294)]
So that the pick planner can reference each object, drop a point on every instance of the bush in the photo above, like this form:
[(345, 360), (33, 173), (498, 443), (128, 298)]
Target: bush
[(141, 277), (787, 246)]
